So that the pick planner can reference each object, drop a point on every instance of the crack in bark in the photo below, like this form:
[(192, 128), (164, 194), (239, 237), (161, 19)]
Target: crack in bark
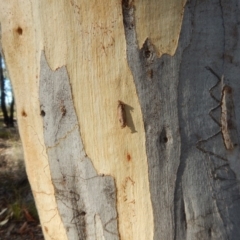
[(178, 195), (59, 140)]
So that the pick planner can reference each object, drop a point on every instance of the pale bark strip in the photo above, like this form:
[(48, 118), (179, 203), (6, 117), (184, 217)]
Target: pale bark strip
[(193, 177), (81, 193), (21, 41), (160, 21)]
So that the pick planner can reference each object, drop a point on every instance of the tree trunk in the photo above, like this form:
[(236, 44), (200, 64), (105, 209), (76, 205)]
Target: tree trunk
[(129, 113)]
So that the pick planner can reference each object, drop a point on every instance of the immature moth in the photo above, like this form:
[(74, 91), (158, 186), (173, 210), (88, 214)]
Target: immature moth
[(121, 114), (228, 119)]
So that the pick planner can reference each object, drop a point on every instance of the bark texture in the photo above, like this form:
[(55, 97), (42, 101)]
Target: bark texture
[(190, 109), (130, 124)]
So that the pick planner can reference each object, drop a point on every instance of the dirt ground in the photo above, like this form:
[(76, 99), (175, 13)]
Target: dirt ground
[(18, 214)]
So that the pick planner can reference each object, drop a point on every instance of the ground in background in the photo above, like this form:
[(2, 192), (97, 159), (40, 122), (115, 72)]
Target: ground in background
[(18, 214)]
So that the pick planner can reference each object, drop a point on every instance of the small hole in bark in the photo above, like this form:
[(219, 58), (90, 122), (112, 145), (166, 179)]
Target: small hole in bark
[(42, 113), (165, 139), (148, 51), (24, 114), (82, 213), (147, 54), (19, 31), (128, 157)]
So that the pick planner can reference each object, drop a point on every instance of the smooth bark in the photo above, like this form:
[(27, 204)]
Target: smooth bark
[(131, 122)]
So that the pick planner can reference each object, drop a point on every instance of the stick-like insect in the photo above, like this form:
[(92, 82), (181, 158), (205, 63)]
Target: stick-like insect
[(121, 114), (228, 119)]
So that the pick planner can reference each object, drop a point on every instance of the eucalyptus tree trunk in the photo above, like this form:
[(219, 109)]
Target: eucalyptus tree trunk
[(129, 113)]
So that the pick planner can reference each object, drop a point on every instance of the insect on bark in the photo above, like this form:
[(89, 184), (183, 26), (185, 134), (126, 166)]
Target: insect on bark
[(121, 114), (228, 119)]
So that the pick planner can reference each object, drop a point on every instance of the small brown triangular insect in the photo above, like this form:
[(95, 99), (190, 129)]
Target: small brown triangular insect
[(121, 114)]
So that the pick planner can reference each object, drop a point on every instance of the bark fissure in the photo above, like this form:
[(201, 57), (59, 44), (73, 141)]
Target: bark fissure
[(180, 218), (78, 187)]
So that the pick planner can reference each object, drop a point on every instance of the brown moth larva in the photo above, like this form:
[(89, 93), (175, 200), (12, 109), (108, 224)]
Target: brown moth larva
[(121, 114)]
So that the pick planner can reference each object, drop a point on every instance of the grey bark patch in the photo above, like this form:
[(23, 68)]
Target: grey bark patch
[(194, 179), (80, 192)]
